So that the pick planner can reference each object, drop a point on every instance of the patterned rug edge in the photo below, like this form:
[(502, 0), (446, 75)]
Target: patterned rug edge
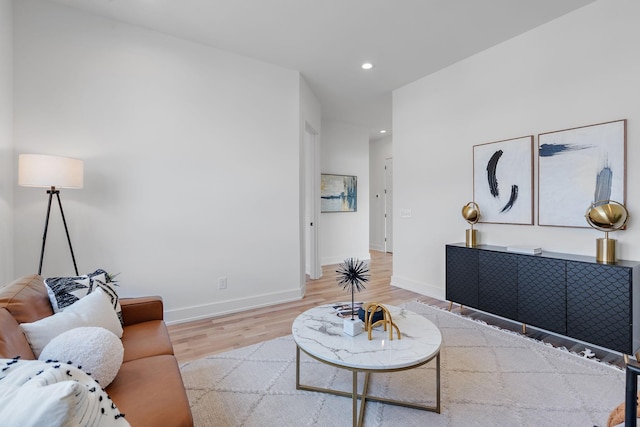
[(586, 354)]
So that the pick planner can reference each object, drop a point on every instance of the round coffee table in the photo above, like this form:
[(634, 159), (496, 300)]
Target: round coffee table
[(319, 333)]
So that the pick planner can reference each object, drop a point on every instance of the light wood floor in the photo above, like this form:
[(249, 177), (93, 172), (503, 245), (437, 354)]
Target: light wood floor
[(200, 338), (196, 339)]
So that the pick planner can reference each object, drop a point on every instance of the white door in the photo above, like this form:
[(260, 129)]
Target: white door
[(312, 205), (388, 205)]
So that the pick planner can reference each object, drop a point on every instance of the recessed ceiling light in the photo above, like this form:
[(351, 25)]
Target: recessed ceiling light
[(383, 131), (367, 66)]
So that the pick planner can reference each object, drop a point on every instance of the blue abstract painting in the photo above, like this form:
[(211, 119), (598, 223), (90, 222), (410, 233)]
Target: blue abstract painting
[(338, 193), (503, 181), (577, 167)]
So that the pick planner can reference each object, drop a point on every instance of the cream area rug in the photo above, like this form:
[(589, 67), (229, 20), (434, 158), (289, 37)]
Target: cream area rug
[(490, 377)]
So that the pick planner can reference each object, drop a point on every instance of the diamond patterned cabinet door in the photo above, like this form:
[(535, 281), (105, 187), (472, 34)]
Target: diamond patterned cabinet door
[(541, 293), (599, 305), (498, 283), (462, 275)]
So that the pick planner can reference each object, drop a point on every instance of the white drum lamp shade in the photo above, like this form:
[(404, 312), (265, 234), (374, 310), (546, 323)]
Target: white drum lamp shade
[(39, 170)]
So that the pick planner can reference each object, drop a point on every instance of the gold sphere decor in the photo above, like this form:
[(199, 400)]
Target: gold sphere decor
[(471, 214), (370, 310), (606, 215)]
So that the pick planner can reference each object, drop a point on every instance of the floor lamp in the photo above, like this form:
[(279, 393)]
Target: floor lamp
[(52, 172)]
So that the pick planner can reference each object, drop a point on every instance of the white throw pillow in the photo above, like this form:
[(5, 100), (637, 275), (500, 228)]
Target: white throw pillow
[(35, 394), (95, 350), (92, 310)]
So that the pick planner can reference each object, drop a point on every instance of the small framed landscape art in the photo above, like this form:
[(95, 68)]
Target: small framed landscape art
[(338, 193), (503, 181), (577, 167)]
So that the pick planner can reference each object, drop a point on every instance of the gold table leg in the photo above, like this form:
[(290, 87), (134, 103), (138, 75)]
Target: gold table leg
[(358, 419), (354, 399), (363, 403)]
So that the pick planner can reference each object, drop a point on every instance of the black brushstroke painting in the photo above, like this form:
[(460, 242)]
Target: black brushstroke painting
[(492, 165), (512, 199)]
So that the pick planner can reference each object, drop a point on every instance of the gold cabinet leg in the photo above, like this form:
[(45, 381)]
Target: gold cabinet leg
[(524, 328), (451, 306)]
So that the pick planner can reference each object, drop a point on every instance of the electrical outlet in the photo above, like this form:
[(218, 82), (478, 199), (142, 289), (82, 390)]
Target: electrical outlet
[(222, 282), (405, 213)]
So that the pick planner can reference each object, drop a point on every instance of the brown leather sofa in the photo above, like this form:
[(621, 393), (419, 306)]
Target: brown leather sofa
[(148, 388)]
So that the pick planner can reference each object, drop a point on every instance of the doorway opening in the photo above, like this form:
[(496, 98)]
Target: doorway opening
[(311, 202), (388, 205)]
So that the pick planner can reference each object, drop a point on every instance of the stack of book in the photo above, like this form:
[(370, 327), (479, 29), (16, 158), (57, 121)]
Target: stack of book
[(531, 250)]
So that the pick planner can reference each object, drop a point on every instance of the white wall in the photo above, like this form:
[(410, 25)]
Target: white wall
[(344, 150), (578, 70), (379, 151), (310, 108), (6, 142), (191, 161)]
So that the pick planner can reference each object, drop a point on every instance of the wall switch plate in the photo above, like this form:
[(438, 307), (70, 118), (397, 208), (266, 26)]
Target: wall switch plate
[(222, 282)]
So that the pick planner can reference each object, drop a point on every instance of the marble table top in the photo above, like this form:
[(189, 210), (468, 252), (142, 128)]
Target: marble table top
[(319, 332)]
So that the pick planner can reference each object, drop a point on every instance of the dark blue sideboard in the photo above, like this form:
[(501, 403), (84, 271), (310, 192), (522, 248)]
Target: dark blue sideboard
[(571, 295)]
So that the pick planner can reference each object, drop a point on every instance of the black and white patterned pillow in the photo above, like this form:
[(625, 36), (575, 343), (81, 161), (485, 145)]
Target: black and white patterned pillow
[(64, 291), (36, 393)]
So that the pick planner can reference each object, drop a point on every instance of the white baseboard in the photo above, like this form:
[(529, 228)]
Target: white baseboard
[(221, 308), (340, 259), (419, 287), (379, 248)]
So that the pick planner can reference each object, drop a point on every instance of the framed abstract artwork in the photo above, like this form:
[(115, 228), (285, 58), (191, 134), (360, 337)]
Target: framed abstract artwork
[(503, 181), (577, 167), (338, 193)]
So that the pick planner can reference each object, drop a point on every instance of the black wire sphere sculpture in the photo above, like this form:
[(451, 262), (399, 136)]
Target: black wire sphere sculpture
[(352, 273)]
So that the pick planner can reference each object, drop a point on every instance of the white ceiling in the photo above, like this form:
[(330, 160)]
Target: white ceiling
[(327, 40)]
